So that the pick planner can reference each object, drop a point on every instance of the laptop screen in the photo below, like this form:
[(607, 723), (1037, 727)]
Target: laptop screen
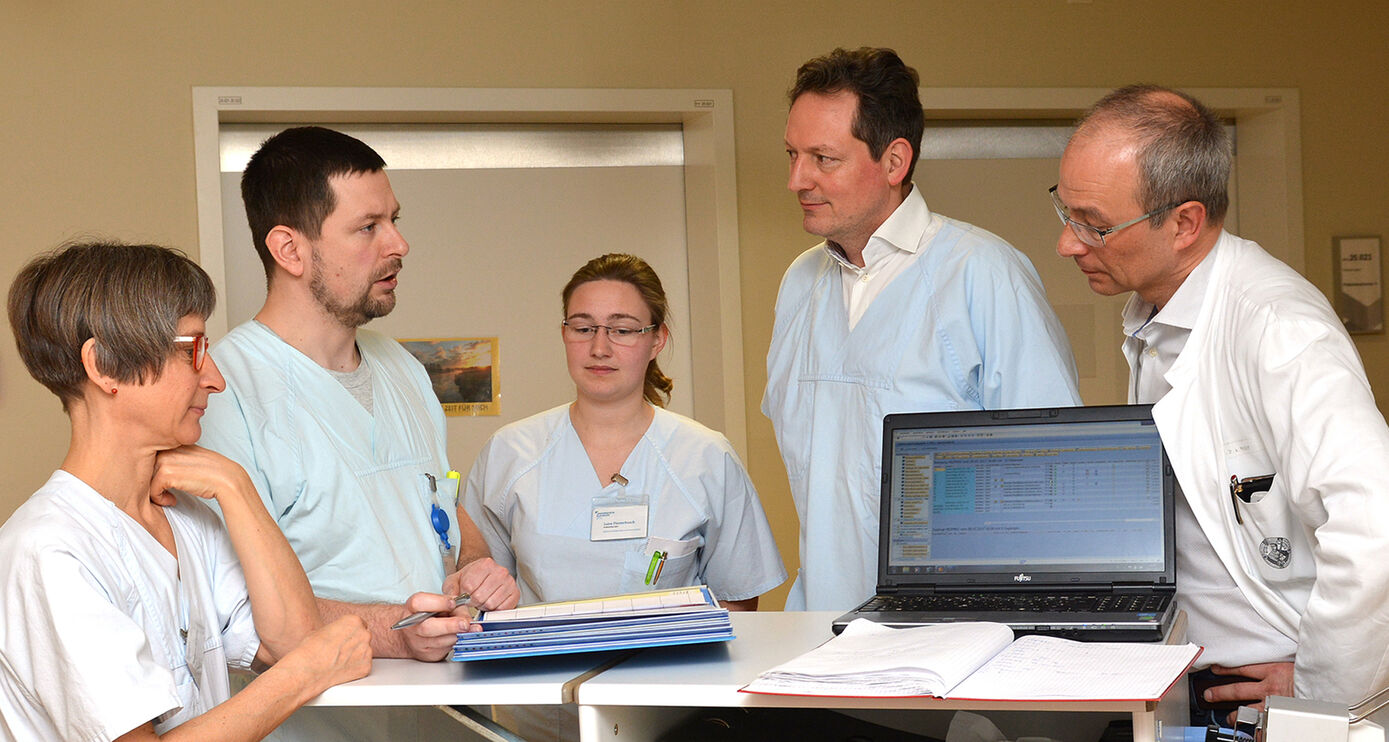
[(1039, 496)]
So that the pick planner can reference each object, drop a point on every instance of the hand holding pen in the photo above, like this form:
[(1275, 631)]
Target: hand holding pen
[(419, 617), (431, 628)]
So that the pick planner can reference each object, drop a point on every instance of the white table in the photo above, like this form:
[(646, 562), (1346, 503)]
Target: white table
[(638, 698), (532, 680), (637, 695)]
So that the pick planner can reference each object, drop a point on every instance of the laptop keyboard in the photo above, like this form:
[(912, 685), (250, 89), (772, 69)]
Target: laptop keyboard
[(1029, 602)]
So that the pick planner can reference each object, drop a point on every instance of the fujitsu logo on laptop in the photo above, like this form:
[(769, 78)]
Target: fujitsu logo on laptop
[(1024, 577)]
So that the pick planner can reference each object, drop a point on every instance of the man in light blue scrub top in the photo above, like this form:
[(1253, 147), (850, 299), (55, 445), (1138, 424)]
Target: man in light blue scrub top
[(899, 310), (338, 426)]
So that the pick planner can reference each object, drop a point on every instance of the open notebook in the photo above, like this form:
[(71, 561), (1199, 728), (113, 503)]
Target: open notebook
[(1053, 521)]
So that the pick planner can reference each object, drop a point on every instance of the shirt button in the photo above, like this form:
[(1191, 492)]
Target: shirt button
[(863, 278), (1152, 352)]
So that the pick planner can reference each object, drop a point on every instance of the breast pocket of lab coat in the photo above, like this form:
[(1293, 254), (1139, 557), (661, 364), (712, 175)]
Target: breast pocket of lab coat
[(1271, 536), (679, 568)]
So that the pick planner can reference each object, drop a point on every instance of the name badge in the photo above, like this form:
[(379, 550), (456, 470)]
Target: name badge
[(613, 522)]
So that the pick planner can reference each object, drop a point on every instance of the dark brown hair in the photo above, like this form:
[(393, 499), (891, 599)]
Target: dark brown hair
[(286, 181), (888, 105)]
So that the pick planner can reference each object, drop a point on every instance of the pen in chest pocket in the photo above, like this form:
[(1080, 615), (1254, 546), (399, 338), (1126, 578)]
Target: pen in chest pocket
[(658, 562), (1250, 490)]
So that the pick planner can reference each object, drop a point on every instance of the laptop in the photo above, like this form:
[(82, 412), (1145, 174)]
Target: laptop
[(1055, 521)]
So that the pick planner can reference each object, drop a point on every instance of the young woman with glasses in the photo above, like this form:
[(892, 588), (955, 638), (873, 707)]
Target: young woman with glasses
[(612, 493)]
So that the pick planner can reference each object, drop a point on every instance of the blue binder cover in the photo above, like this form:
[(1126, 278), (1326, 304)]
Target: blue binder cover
[(687, 615)]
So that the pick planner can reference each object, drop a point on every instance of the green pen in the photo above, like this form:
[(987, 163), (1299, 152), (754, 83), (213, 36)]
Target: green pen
[(657, 558)]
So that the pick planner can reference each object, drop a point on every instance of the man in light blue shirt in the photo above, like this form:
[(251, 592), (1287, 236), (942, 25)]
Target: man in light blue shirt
[(898, 310), (338, 426)]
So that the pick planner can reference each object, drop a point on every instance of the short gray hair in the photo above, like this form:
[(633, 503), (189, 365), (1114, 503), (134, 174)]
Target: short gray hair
[(130, 298), (1183, 149)]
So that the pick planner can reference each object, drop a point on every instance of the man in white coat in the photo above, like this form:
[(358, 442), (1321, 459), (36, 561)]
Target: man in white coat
[(1281, 455), (899, 310)]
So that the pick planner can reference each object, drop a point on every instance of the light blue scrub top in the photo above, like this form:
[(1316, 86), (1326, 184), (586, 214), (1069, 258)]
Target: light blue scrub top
[(966, 326), (347, 487), (531, 493)]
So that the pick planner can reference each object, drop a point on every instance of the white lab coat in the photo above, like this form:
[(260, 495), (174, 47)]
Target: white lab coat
[(102, 629), (347, 487), (1269, 383), (966, 326)]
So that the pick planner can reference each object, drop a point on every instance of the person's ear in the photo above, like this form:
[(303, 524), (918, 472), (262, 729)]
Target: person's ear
[(106, 384), (897, 160), (289, 249), (662, 334), (1189, 220)]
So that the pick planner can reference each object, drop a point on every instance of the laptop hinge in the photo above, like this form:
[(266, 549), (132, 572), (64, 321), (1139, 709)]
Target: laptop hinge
[(908, 589), (1146, 587), (1024, 588)]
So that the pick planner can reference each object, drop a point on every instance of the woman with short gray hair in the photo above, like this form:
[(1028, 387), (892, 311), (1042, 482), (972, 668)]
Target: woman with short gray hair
[(123, 597)]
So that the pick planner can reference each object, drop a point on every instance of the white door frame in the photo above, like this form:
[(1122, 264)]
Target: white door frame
[(711, 201)]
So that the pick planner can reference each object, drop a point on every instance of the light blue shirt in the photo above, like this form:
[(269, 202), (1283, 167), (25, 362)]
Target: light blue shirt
[(965, 326), (347, 487), (531, 493)]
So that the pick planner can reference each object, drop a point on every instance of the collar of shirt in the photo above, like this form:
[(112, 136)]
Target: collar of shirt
[(892, 249), (905, 230), (1153, 339), (1181, 311)]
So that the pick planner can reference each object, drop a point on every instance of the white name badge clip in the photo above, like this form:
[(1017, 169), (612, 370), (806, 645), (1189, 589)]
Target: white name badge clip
[(617, 514)]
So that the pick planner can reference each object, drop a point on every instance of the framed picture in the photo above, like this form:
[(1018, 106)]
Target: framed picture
[(1359, 286), (465, 373)]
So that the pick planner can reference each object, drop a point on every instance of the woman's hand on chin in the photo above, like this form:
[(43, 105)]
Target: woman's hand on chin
[(198, 472)]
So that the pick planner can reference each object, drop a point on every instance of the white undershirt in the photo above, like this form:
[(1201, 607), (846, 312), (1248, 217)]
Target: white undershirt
[(1220, 617)]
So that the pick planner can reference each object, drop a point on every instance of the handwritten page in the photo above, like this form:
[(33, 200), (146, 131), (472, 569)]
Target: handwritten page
[(1047, 668), (870, 659), (976, 661)]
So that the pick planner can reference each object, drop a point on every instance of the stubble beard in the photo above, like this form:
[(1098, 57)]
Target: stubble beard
[(356, 312)]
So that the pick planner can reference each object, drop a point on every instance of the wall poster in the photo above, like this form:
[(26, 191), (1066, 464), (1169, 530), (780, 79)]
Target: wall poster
[(465, 373)]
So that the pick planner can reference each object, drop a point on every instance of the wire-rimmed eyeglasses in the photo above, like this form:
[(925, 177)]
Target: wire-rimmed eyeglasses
[(582, 332), (1094, 236)]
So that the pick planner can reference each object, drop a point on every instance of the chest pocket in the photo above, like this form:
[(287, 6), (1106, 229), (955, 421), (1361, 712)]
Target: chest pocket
[(679, 568), (1271, 538), (871, 353)]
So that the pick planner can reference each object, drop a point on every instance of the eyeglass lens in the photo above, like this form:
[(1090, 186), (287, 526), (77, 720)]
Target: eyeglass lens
[(626, 336)]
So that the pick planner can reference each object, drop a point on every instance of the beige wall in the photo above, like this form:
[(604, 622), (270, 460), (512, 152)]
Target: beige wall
[(96, 133)]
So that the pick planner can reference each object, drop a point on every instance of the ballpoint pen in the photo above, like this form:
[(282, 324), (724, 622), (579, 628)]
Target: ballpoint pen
[(653, 570), (420, 616)]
